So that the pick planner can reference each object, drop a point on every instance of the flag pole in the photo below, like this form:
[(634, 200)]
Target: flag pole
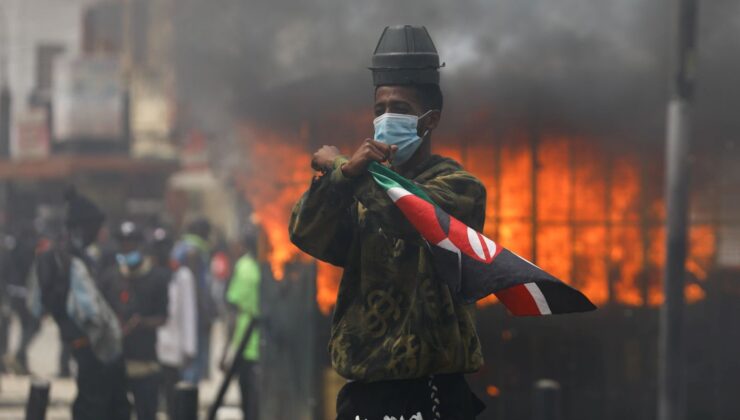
[(678, 142)]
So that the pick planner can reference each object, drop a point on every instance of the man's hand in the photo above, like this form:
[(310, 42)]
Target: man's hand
[(370, 151), (324, 158)]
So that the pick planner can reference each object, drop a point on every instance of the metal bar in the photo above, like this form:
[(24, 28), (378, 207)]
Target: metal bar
[(498, 139), (5, 120), (645, 225), (670, 362), (38, 399), (678, 143), (186, 401), (231, 372), (572, 229), (611, 275), (546, 404), (534, 144)]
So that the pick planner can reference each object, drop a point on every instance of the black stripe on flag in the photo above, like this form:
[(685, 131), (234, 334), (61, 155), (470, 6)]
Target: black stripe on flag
[(473, 280)]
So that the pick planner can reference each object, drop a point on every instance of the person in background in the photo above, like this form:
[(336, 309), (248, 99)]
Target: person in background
[(161, 243), (177, 339), (6, 244), (220, 271), (137, 289), (193, 251), (63, 285), (51, 228), (16, 272), (244, 294)]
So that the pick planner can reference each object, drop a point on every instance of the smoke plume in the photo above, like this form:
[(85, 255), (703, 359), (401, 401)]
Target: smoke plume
[(598, 66)]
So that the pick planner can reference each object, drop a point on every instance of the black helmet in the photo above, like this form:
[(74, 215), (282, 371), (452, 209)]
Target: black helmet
[(129, 231), (201, 227), (405, 55), (80, 210)]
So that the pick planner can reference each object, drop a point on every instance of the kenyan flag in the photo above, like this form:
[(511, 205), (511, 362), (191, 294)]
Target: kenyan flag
[(475, 266)]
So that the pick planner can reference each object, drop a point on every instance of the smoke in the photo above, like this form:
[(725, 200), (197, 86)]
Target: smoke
[(597, 66)]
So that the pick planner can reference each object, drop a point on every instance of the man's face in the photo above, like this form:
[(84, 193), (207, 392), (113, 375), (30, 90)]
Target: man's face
[(403, 100), (396, 100)]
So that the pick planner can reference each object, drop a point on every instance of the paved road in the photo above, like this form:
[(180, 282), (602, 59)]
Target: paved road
[(43, 363)]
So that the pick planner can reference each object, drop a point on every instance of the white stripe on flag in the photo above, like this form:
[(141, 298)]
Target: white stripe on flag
[(397, 193), (447, 244), (475, 244), (491, 246), (539, 298)]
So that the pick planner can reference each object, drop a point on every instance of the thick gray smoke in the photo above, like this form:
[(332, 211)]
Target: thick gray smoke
[(597, 65)]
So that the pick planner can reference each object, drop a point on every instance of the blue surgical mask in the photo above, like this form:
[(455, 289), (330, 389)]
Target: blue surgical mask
[(400, 130), (131, 259)]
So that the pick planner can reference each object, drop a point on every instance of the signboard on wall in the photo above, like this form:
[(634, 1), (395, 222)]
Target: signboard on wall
[(32, 134), (88, 101)]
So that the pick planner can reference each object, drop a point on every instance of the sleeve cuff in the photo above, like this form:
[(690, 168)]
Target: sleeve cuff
[(337, 176)]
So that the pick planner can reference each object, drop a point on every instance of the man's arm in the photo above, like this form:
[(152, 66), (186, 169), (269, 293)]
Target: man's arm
[(459, 194), (321, 224)]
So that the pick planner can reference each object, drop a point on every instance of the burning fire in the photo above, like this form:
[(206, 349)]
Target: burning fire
[(277, 175), (583, 213)]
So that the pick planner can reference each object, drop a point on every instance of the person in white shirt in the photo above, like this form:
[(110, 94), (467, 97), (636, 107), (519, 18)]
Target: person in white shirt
[(177, 339)]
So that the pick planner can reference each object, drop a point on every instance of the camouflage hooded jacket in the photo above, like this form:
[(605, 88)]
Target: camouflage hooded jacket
[(394, 318)]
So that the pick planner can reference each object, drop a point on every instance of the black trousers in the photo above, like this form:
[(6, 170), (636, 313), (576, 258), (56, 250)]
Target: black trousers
[(170, 377), (29, 328), (64, 358), (146, 395), (101, 388), (445, 397), (4, 331), (248, 385)]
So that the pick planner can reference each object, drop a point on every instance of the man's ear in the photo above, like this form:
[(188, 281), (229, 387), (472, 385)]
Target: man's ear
[(431, 119)]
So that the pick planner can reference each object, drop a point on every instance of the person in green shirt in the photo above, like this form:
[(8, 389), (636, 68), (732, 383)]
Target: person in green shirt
[(398, 334), (243, 293)]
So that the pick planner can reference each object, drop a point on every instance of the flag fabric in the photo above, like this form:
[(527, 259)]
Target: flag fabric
[(473, 265)]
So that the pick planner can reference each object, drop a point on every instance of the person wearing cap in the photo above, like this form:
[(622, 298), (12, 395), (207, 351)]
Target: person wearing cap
[(138, 291), (398, 334), (63, 284)]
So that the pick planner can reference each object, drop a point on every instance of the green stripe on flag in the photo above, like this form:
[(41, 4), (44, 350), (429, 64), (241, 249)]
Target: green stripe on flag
[(388, 179)]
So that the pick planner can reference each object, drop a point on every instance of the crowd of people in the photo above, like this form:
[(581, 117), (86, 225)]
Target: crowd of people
[(135, 312)]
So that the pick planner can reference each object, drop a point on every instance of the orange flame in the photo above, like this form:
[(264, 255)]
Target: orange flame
[(581, 212), (277, 175)]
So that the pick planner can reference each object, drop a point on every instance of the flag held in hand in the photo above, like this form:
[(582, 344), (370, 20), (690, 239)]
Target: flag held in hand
[(473, 265)]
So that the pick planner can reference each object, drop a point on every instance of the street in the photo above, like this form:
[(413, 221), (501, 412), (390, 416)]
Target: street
[(43, 362)]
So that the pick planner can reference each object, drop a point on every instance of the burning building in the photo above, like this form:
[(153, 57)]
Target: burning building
[(558, 108)]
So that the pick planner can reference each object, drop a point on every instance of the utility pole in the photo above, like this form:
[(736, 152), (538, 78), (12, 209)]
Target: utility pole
[(5, 97), (670, 346)]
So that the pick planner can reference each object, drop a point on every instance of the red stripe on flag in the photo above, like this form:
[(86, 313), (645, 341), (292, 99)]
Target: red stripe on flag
[(485, 247), (422, 215), (518, 301), (459, 237)]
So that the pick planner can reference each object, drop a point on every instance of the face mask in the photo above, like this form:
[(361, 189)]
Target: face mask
[(400, 130), (131, 259)]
